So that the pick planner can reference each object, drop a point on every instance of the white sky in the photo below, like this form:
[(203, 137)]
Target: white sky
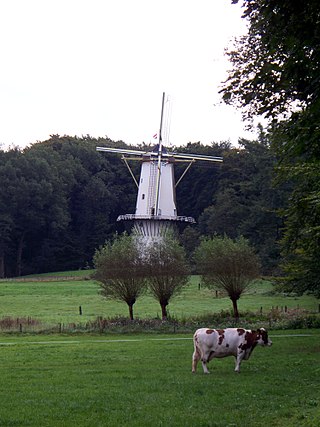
[(99, 67)]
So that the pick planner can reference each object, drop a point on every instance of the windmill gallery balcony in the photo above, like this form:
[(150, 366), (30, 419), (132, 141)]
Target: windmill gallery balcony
[(135, 217)]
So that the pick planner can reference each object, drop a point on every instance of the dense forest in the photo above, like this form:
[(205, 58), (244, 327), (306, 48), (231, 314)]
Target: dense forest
[(60, 198)]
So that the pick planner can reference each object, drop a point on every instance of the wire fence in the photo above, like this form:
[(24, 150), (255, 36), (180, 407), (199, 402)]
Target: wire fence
[(275, 318)]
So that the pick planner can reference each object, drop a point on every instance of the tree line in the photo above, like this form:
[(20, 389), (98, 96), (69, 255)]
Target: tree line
[(128, 266), (60, 198)]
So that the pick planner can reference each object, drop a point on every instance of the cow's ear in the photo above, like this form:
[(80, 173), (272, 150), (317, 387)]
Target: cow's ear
[(259, 331)]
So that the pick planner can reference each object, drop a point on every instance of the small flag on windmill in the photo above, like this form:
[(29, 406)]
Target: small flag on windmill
[(155, 136)]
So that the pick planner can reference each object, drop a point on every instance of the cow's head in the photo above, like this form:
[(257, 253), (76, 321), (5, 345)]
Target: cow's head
[(262, 337)]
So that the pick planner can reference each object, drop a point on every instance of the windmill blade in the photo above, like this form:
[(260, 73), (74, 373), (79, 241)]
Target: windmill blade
[(156, 205), (122, 151), (162, 154), (129, 152), (196, 157)]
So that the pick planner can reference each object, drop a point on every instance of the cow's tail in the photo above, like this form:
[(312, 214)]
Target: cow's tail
[(197, 353)]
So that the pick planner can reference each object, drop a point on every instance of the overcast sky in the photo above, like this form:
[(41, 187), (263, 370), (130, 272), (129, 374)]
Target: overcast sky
[(99, 67)]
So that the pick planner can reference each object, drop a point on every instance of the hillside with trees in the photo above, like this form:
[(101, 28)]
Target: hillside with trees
[(60, 199)]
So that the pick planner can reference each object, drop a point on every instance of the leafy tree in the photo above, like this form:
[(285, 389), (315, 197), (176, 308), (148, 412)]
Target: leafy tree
[(7, 177), (119, 271), (32, 203), (227, 265), (95, 197), (190, 239), (275, 72), (166, 269), (246, 201), (96, 188), (275, 67), (301, 242)]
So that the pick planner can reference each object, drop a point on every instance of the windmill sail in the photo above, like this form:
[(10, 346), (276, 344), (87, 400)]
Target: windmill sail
[(156, 202), (156, 207)]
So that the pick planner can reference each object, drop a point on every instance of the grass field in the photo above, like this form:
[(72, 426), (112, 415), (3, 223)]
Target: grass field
[(92, 381), (145, 380), (58, 301)]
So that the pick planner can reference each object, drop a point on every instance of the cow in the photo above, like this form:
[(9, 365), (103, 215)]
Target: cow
[(237, 342)]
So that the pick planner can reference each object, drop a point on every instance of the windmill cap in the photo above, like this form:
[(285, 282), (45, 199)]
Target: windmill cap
[(155, 149)]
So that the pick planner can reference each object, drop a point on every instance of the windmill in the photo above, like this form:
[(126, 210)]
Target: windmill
[(156, 209)]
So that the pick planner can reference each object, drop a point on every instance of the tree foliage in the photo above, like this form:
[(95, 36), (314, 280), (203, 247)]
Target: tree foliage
[(275, 67), (246, 202), (119, 269), (228, 265), (60, 200), (127, 266), (166, 269), (275, 72)]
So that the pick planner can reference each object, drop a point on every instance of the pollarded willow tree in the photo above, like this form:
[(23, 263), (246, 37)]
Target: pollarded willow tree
[(166, 269), (119, 269), (275, 73), (227, 265)]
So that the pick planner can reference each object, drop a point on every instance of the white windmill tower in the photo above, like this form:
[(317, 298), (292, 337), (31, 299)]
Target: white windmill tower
[(156, 209)]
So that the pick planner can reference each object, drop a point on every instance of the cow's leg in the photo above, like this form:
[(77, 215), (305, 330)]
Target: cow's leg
[(204, 366), (239, 358), (204, 360), (195, 359)]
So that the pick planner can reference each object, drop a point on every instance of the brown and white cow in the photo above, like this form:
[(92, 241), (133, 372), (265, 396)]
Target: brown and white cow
[(237, 342)]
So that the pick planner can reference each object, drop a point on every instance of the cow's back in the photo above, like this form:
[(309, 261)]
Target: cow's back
[(219, 342)]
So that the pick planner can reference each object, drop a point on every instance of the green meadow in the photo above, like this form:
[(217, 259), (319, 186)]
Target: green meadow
[(54, 300), (143, 379), (94, 380)]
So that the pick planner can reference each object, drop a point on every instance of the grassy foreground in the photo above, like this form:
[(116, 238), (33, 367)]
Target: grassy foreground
[(92, 381)]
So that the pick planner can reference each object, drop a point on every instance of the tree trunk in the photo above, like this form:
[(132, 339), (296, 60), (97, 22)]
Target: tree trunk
[(130, 311), (1, 266), (164, 310), (19, 254), (235, 309)]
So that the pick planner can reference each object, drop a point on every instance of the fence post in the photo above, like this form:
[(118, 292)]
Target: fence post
[(80, 310)]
